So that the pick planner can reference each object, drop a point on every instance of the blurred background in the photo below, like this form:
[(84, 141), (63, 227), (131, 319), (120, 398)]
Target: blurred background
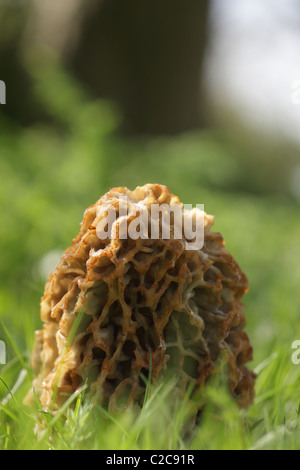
[(202, 96)]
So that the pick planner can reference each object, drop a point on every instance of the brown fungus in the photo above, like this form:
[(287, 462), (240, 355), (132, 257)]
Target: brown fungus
[(113, 306)]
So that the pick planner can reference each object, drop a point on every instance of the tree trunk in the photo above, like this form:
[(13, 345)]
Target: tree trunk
[(147, 55)]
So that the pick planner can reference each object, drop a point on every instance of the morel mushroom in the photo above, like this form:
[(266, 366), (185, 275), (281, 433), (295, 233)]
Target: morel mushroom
[(114, 305)]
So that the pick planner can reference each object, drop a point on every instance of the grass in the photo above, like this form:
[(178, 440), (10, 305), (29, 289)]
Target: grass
[(271, 423), (50, 174)]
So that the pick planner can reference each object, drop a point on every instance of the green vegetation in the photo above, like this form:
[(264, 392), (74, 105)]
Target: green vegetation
[(50, 173)]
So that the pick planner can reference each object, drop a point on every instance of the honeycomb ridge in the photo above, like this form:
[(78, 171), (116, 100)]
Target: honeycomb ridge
[(139, 302)]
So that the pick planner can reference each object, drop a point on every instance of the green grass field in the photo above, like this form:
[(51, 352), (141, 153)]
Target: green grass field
[(50, 174)]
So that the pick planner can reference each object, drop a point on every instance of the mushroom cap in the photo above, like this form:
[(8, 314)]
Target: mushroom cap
[(116, 307)]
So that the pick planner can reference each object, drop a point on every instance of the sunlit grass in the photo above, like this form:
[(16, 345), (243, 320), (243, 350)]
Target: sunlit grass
[(271, 423)]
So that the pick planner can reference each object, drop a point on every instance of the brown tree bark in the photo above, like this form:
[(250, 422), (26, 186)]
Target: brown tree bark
[(147, 55)]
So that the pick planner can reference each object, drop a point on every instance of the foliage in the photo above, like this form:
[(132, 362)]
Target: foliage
[(50, 173)]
